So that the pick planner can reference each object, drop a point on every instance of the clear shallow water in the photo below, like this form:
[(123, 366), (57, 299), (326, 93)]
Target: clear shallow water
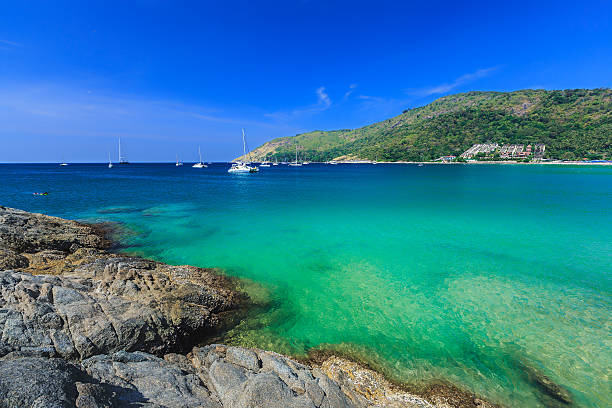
[(467, 273)]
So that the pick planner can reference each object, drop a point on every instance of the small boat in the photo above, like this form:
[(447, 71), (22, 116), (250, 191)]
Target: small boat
[(63, 164), (296, 163), (264, 163), (420, 164), (199, 165), (41, 194), (332, 162), (178, 163), (275, 162), (306, 162), (240, 166), (110, 163)]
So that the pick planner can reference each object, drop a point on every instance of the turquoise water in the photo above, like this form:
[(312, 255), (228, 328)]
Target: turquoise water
[(464, 273)]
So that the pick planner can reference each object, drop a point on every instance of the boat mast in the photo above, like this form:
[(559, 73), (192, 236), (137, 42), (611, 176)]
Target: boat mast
[(200, 154), (243, 145), (120, 160)]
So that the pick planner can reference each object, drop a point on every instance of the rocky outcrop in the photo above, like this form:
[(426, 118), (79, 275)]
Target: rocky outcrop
[(214, 376), (21, 231), (102, 302), (83, 327), (125, 305)]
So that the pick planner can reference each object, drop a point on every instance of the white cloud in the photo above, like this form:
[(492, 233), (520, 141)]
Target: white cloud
[(348, 93), (7, 45), (11, 43), (324, 102), (323, 97), (463, 79)]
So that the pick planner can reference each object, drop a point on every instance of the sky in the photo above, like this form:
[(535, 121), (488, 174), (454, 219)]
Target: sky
[(169, 76)]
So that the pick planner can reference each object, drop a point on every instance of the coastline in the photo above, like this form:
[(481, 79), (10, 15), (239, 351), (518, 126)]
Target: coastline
[(66, 254), (575, 163)]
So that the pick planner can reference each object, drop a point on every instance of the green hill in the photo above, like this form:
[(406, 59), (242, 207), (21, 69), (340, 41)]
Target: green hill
[(573, 123)]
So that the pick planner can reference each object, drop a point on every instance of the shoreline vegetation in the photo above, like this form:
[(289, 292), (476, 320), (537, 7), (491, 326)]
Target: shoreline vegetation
[(99, 328)]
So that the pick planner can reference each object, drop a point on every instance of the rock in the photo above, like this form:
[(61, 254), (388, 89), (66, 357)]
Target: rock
[(118, 310), (243, 358), (21, 231), (140, 378), (238, 379), (10, 259), (101, 303), (38, 382), (547, 386)]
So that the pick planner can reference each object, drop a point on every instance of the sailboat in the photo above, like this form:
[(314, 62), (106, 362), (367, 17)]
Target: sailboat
[(295, 163), (199, 165), (63, 163), (242, 167), (110, 163), (178, 163), (122, 160), (265, 163), (275, 162)]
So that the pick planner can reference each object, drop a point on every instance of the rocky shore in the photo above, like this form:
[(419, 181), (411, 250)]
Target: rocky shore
[(81, 326)]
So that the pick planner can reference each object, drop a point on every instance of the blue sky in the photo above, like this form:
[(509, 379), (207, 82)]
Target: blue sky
[(168, 76)]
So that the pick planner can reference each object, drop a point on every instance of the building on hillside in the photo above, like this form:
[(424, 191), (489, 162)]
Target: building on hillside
[(446, 159), (512, 151), (486, 148)]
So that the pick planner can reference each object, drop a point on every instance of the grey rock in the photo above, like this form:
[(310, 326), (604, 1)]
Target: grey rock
[(10, 260), (277, 382), (145, 380), (21, 231), (101, 303), (242, 357), (38, 382)]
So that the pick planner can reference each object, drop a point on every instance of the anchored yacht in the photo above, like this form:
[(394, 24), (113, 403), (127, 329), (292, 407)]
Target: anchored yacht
[(240, 166)]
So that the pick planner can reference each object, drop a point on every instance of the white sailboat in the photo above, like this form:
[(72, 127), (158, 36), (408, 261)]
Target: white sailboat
[(242, 167), (199, 165), (295, 163), (110, 163), (178, 163), (275, 162), (265, 163)]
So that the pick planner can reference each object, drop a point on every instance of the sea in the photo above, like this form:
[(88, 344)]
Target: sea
[(490, 277)]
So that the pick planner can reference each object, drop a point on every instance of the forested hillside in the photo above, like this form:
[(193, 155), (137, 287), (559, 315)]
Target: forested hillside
[(575, 123)]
